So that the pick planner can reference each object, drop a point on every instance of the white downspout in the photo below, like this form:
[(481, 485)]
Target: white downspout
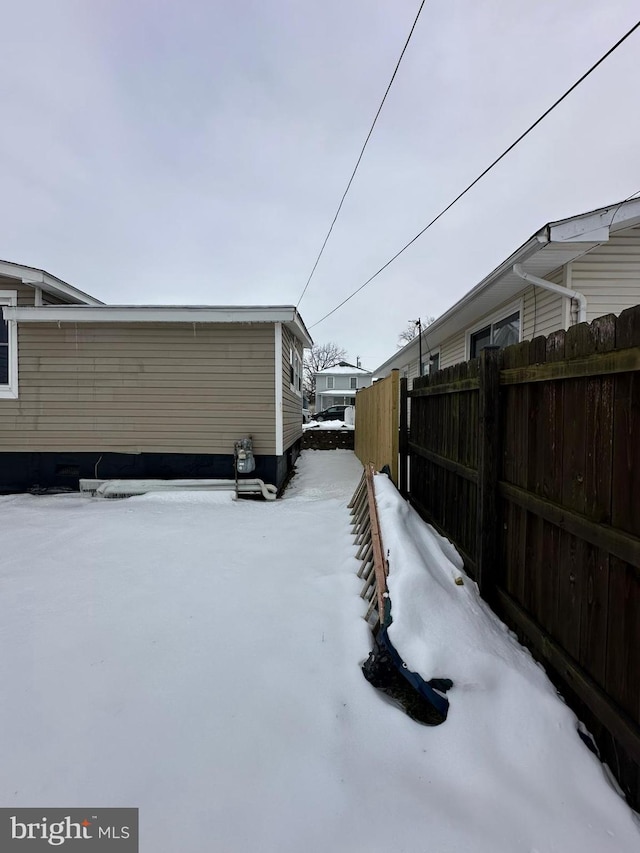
[(580, 298)]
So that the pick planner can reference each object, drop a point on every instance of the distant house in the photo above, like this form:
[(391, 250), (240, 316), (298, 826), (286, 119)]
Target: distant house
[(571, 270), (337, 385), (92, 390)]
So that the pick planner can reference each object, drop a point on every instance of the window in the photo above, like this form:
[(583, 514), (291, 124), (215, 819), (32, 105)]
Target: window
[(8, 350), (434, 362), (329, 383), (501, 333), (507, 331), (353, 382), (295, 372), (4, 352), (480, 340)]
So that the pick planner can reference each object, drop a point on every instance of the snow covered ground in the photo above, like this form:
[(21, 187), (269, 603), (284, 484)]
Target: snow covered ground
[(200, 658), (327, 425)]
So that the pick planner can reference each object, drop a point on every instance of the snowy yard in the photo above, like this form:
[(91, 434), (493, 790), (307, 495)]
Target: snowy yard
[(200, 659)]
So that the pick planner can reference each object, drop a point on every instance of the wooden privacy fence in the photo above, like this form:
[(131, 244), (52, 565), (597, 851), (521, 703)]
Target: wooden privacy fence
[(529, 460), (376, 433)]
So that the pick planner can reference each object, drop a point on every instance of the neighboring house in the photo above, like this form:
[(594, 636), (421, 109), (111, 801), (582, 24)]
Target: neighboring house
[(90, 390), (337, 385), (572, 270)]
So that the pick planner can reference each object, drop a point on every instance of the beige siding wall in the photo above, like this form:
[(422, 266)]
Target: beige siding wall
[(25, 293), (291, 402), (609, 276), (142, 387)]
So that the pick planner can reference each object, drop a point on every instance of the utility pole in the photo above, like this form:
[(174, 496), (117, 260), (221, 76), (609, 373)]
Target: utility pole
[(357, 361), (418, 323)]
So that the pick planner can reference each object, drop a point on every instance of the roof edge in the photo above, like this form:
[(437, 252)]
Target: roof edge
[(47, 282), (286, 314)]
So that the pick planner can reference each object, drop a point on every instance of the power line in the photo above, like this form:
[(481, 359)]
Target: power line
[(355, 168), (483, 173)]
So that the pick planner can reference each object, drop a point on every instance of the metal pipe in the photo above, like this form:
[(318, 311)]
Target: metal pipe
[(580, 298), (124, 488)]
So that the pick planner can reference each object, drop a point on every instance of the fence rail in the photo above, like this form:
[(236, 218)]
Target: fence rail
[(529, 460)]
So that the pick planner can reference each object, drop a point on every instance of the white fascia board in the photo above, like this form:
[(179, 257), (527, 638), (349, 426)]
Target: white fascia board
[(161, 314), (297, 327), (47, 282), (401, 358), (594, 227)]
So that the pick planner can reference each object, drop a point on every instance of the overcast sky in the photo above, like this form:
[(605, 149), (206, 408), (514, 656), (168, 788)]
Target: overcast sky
[(161, 152)]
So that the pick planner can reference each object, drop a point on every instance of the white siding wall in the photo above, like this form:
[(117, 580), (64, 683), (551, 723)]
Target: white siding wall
[(452, 351), (543, 310), (609, 276)]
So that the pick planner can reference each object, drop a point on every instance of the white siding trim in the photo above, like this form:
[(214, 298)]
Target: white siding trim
[(10, 391), (279, 389)]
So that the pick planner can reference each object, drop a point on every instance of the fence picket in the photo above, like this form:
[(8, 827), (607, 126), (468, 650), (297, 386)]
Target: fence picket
[(534, 473)]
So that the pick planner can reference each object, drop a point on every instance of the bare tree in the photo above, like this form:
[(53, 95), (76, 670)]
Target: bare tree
[(318, 358), (411, 330)]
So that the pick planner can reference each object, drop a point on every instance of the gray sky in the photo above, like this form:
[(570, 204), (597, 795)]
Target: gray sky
[(195, 152)]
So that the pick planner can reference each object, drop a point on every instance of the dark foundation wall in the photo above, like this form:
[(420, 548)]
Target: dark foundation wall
[(20, 472)]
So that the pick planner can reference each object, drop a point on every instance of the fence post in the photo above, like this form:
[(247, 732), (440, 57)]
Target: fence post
[(395, 402), (403, 439), (488, 470)]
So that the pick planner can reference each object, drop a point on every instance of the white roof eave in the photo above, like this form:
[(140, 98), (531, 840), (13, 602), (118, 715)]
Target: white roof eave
[(285, 314), (47, 282), (553, 246)]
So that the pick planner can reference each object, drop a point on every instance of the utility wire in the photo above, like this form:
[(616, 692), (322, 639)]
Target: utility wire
[(482, 174), (355, 168)]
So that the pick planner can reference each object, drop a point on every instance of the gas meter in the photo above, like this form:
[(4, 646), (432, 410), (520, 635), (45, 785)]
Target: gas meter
[(243, 456)]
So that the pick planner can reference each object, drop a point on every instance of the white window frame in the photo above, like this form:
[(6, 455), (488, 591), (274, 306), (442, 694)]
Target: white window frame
[(10, 391), (295, 369), (330, 383), (353, 383), (490, 319)]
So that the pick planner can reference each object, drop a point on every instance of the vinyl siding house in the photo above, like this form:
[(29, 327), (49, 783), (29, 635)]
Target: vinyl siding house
[(572, 270), (338, 385), (90, 390)]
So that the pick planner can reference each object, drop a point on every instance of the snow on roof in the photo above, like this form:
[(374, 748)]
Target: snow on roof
[(343, 367)]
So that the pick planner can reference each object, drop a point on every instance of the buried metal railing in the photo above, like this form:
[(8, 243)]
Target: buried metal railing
[(424, 701), (366, 529)]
